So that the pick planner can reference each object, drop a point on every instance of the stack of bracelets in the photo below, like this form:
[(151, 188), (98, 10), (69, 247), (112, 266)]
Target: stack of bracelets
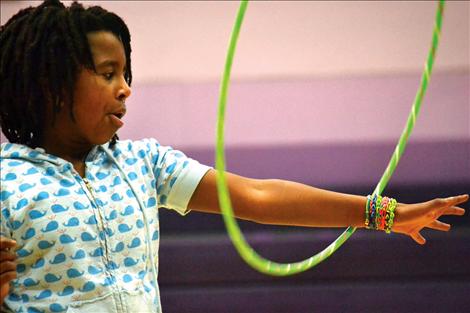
[(380, 212)]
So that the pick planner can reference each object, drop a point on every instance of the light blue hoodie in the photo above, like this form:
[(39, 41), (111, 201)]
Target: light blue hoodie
[(90, 244)]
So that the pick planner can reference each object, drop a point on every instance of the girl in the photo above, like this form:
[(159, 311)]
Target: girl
[(79, 207)]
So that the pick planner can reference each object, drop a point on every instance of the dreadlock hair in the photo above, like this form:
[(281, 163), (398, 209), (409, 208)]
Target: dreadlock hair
[(42, 51)]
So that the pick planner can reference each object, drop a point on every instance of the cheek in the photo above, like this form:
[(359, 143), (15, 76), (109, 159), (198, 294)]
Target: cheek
[(89, 99), (89, 107)]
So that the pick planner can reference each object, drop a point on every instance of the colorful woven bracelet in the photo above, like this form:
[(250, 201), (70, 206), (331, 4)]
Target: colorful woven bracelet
[(391, 215), (383, 212), (366, 222), (378, 205), (380, 213), (372, 212)]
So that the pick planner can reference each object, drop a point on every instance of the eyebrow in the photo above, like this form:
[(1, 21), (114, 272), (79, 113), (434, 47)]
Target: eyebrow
[(109, 63)]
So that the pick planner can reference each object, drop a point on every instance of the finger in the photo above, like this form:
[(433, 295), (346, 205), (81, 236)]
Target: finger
[(452, 201), (6, 243), (6, 255), (7, 277), (4, 290), (438, 225), (454, 211), (7, 267), (418, 238)]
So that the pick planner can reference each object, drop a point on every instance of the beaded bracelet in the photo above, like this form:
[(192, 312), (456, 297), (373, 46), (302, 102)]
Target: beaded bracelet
[(391, 215), (383, 213), (380, 213), (378, 205), (366, 222), (373, 206)]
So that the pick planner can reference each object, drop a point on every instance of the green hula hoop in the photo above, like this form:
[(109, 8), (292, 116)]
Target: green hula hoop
[(246, 252)]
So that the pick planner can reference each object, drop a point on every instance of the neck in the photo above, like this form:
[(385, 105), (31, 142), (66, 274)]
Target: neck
[(74, 152)]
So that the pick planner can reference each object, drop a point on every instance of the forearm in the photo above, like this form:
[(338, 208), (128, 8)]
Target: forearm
[(281, 202), (290, 203)]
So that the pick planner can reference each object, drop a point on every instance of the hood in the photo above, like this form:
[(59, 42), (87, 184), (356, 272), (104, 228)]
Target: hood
[(13, 151)]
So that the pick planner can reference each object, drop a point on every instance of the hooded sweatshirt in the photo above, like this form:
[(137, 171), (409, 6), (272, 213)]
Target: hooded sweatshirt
[(90, 244)]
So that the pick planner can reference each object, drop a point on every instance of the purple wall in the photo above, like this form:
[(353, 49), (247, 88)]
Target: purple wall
[(346, 110), (325, 132), (362, 165), (319, 131)]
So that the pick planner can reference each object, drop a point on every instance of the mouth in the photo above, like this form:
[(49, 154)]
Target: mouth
[(119, 114)]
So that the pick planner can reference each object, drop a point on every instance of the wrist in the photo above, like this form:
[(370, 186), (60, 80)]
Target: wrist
[(398, 216), (380, 213)]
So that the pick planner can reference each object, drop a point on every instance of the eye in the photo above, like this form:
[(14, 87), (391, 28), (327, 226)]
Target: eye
[(108, 76)]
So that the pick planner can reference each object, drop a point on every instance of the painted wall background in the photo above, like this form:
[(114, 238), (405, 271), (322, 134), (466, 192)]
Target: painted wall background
[(320, 94), (177, 41), (305, 72), (312, 82)]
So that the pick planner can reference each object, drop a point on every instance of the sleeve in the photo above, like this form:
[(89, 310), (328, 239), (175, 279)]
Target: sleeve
[(177, 177)]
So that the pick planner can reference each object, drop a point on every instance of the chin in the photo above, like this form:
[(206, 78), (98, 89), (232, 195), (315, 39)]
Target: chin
[(103, 140)]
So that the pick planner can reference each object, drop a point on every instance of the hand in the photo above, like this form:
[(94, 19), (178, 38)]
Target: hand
[(410, 219), (7, 266)]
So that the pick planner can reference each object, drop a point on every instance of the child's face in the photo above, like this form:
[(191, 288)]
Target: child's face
[(99, 97)]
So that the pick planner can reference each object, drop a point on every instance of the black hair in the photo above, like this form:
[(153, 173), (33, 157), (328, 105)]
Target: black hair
[(42, 51)]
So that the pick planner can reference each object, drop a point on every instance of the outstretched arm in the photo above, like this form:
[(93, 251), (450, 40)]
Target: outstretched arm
[(288, 203)]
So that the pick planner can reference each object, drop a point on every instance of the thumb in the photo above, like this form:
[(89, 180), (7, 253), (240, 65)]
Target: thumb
[(418, 238)]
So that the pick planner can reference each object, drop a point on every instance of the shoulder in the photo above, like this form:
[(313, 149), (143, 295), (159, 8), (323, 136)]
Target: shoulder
[(10, 151), (145, 149), (16, 163), (132, 147)]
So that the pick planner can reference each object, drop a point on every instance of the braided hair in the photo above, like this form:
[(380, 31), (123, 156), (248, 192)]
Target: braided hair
[(42, 51)]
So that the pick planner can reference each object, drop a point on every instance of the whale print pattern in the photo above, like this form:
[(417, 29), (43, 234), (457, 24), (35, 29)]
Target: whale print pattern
[(82, 239)]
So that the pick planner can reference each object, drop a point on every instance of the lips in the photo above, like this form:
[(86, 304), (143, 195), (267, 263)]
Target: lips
[(117, 115)]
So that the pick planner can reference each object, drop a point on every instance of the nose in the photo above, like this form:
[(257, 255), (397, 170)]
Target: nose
[(124, 91)]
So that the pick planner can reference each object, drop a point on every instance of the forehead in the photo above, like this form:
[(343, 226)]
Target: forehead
[(105, 47)]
